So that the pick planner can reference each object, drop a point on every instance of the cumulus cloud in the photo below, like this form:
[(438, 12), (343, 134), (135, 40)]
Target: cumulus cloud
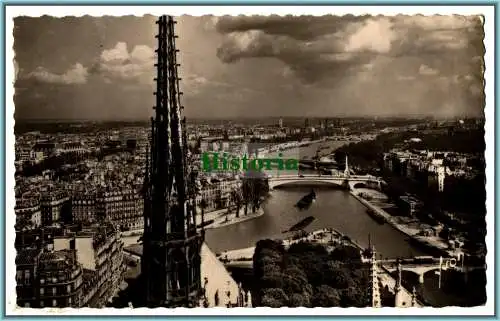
[(441, 22), (126, 66), (298, 27), (281, 65), (77, 74), (119, 63), (118, 53), (373, 35), (308, 60), (414, 63), (137, 66), (321, 48)]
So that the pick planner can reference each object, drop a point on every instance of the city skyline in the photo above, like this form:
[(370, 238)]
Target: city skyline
[(97, 69)]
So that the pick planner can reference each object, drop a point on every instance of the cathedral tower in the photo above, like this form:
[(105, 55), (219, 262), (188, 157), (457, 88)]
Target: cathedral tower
[(171, 243)]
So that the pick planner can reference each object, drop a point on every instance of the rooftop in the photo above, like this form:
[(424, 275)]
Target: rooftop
[(27, 256), (56, 256)]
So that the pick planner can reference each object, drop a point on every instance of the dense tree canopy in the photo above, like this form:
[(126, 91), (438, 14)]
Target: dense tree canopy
[(254, 188), (308, 275)]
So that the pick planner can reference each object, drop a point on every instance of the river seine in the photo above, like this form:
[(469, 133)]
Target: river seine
[(333, 208)]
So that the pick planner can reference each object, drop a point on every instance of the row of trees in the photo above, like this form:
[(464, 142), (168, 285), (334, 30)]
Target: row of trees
[(253, 189), (307, 275)]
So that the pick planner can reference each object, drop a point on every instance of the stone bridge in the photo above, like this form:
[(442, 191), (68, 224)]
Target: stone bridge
[(421, 269), (353, 181)]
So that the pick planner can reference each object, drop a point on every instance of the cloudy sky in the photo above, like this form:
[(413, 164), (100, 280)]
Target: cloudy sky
[(255, 66)]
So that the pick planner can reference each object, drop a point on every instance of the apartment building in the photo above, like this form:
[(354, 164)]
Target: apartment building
[(123, 206), (83, 206), (99, 250), (217, 194), (54, 206), (71, 269), (28, 213), (47, 278)]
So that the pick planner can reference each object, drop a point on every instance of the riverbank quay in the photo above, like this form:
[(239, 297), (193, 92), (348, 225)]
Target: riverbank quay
[(275, 149), (221, 218), (431, 242), (306, 149)]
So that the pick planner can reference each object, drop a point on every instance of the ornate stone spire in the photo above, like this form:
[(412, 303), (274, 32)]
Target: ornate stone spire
[(398, 279), (171, 242), (398, 293), (346, 170), (414, 297), (376, 302), (249, 299)]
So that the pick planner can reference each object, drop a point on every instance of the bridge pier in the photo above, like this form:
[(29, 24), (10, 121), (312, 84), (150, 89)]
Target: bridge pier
[(421, 278)]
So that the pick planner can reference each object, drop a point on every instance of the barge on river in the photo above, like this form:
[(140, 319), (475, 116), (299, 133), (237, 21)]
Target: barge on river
[(306, 201)]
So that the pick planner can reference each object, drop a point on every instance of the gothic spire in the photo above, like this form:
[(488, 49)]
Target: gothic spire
[(399, 277), (398, 289), (375, 289), (172, 244)]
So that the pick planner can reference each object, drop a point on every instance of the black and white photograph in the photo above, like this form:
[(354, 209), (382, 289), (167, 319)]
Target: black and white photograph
[(250, 161)]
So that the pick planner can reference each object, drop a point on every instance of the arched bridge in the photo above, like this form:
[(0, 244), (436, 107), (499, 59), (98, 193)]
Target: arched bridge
[(421, 269), (339, 180)]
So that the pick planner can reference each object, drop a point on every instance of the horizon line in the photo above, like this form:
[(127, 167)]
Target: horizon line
[(409, 117)]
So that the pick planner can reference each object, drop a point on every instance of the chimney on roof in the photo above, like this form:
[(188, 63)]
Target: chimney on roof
[(49, 243), (72, 248)]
